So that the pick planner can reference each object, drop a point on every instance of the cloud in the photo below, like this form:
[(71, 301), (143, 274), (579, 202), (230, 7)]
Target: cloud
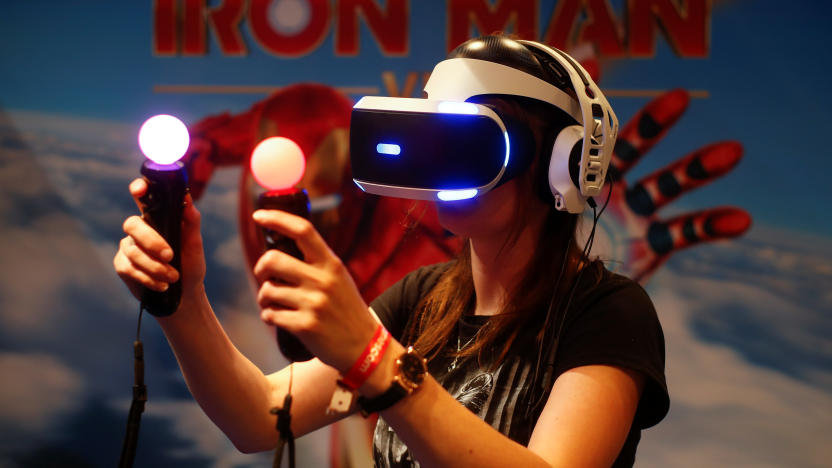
[(38, 390), (47, 256), (725, 410), (77, 167), (767, 297), (73, 130), (191, 423), (59, 295)]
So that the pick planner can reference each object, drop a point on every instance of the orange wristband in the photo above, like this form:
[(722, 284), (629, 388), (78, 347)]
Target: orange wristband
[(368, 360)]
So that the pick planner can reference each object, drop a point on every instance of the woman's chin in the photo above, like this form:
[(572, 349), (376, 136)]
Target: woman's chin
[(486, 214), (464, 218)]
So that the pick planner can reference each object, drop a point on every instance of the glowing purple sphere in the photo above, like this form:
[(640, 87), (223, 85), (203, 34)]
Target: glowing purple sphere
[(164, 139), (277, 163)]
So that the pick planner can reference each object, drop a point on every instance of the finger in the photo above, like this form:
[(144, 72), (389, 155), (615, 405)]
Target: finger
[(130, 275), (694, 170), (299, 229), (138, 188), (695, 228), (147, 238), (190, 214), (645, 129), (191, 221), (280, 266), (292, 321), (140, 260), (274, 294), (200, 160)]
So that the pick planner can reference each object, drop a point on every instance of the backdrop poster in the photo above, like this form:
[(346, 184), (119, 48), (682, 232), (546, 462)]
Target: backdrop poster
[(746, 317)]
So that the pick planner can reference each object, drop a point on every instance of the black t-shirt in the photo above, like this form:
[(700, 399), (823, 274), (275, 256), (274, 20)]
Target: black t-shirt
[(614, 323)]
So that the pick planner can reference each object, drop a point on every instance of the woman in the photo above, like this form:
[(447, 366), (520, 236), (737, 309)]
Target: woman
[(537, 355)]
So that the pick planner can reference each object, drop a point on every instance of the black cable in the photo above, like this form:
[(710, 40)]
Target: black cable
[(550, 361), (543, 340), (284, 426), (552, 352), (131, 434), (596, 215)]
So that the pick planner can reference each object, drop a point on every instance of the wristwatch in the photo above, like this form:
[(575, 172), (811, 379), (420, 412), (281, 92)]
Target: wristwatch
[(410, 373)]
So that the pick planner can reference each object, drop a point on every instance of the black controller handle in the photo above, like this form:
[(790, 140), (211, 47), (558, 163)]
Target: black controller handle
[(162, 208), (297, 203)]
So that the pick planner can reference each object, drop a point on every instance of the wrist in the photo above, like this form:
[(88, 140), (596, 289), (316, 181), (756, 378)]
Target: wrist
[(369, 359), (194, 294), (360, 371), (191, 304), (409, 373), (381, 378)]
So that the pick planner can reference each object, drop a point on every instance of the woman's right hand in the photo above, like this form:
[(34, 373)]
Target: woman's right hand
[(143, 255)]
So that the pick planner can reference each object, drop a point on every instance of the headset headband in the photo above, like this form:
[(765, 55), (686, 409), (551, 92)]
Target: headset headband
[(459, 79), (599, 121)]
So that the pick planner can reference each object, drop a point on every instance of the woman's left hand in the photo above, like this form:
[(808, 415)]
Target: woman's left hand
[(315, 299)]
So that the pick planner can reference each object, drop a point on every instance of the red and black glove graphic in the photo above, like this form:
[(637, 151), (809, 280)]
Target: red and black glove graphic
[(639, 241)]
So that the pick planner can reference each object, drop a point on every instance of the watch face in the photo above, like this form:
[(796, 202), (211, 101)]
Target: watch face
[(413, 367)]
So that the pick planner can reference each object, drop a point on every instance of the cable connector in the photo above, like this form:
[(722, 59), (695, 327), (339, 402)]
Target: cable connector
[(284, 428), (284, 418)]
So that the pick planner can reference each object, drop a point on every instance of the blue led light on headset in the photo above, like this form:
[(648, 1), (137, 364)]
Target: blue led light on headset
[(390, 149), (455, 195), (508, 149)]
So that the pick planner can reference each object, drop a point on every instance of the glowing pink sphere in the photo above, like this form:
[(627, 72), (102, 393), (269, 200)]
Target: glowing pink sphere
[(164, 139), (277, 163)]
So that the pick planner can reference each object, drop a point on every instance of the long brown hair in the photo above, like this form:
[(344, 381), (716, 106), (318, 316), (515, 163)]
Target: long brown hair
[(546, 281)]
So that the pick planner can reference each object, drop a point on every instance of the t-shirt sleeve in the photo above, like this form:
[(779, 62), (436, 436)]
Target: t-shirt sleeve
[(396, 305), (617, 325)]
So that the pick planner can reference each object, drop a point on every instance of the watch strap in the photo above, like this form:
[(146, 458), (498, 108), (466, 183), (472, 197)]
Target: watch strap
[(381, 402)]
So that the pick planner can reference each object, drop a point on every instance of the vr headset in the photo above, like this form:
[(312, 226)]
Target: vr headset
[(446, 147)]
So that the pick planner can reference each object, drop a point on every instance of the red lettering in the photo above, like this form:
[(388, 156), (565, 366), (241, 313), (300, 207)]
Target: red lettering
[(293, 44), (519, 15), (599, 28), (164, 27), (194, 28), (562, 23), (389, 27), (684, 23), (225, 24), (180, 26)]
